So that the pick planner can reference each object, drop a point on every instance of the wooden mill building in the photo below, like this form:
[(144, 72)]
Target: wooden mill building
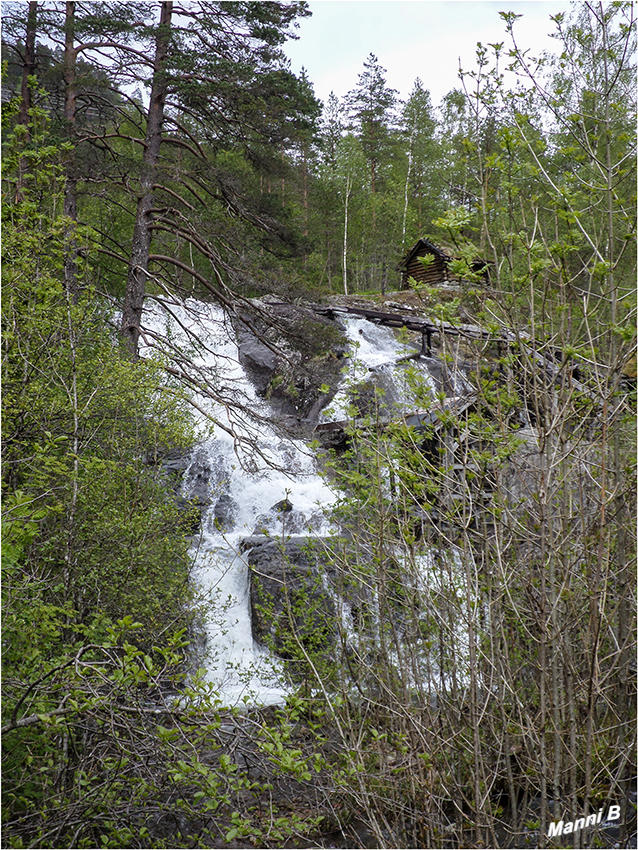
[(438, 271)]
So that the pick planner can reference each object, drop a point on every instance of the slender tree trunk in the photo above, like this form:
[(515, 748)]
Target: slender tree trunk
[(28, 69), (283, 179), (624, 616), (345, 237), (304, 159), (71, 185), (472, 602), (140, 250), (304, 153), (407, 184), (70, 58)]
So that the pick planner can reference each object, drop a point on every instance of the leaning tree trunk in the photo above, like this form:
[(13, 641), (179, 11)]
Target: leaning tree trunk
[(138, 268)]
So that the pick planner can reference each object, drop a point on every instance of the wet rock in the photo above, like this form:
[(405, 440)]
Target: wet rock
[(205, 478), (199, 490), (302, 595), (291, 607), (225, 513), (284, 506), (295, 364), (259, 360), (176, 461), (282, 519)]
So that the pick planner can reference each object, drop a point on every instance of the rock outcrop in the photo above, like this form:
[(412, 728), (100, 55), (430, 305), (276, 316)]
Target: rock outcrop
[(295, 362), (301, 595), (291, 607)]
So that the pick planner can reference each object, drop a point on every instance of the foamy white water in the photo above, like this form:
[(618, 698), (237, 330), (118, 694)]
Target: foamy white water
[(242, 487), (248, 487), (376, 353)]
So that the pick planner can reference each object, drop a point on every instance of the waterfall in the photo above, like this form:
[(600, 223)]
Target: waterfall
[(241, 490), (245, 469), (377, 355)]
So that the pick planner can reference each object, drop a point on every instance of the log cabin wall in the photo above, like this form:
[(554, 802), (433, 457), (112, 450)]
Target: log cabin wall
[(436, 272)]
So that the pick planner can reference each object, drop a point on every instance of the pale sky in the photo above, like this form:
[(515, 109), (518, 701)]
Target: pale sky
[(411, 38)]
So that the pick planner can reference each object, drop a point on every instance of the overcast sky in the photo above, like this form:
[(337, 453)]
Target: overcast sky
[(411, 38)]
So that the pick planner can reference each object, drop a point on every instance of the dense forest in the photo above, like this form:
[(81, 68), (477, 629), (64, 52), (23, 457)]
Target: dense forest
[(164, 149)]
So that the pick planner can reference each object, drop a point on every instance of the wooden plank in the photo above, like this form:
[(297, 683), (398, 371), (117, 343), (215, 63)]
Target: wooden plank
[(416, 324)]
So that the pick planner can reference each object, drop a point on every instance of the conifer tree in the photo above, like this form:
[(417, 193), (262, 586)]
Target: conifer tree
[(371, 108), (422, 188)]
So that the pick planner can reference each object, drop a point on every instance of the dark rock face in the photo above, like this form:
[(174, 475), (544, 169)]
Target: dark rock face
[(295, 604), (174, 463), (289, 601), (297, 364), (205, 478), (225, 513), (256, 358), (199, 486), (201, 482), (283, 506)]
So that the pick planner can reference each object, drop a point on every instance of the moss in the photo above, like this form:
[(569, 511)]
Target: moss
[(275, 382)]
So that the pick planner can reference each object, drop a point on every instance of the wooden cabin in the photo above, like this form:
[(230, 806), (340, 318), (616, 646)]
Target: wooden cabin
[(438, 271)]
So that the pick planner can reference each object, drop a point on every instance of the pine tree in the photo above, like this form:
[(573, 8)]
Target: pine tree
[(371, 108), (219, 83), (422, 189), (140, 250)]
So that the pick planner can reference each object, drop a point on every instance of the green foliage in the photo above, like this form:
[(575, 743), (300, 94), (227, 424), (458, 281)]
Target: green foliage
[(103, 735), (91, 532), (83, 431), (488, 555)]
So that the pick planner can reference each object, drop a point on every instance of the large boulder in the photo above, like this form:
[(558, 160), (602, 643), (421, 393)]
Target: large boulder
[(298, 595), (256, 357), (290, 604), (225, 513)]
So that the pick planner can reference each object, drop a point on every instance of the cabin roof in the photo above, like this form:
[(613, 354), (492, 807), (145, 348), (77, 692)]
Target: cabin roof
[(423, 244), (445, 253)]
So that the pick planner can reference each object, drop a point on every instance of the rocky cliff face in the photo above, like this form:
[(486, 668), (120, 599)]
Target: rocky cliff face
[(293, 361)]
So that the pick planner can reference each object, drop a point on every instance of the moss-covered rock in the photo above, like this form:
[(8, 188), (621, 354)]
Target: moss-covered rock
[(296, 361)]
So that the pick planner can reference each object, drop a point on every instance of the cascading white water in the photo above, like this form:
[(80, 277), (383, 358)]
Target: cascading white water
[(241, 493), (247, 491), (376, 352), (378, 355)]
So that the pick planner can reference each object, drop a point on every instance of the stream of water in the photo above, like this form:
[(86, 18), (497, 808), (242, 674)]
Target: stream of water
[(242, 489)]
